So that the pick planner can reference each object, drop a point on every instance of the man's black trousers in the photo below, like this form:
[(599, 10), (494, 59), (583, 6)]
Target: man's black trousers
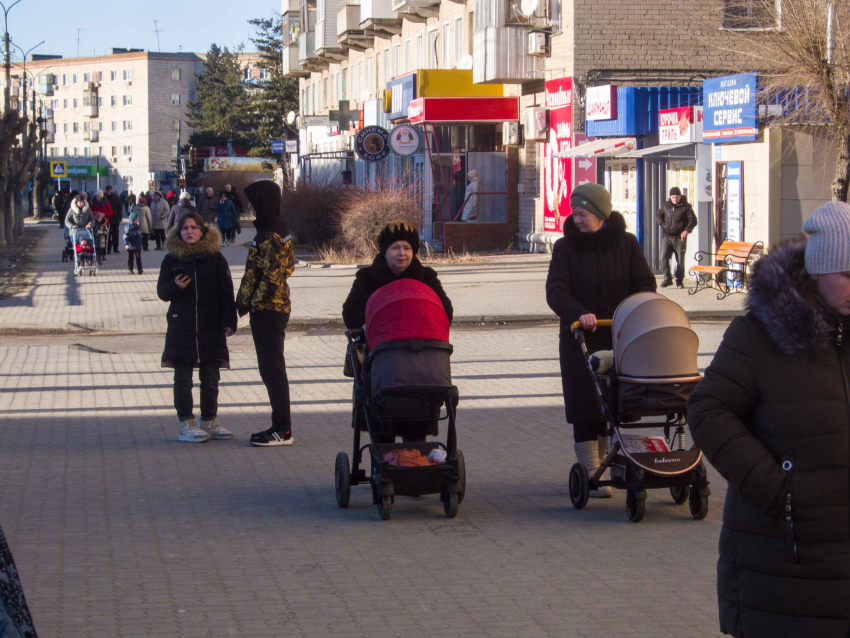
[(112, 240), (670, 245), (268, 329)]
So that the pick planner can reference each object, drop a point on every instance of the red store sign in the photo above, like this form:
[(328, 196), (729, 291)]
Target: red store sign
[(461, 110), (557, 172), (680, 125)]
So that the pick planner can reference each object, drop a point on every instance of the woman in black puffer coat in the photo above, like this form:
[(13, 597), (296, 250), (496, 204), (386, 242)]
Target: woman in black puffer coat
[(195, 279), (594, 267), (773, 416)]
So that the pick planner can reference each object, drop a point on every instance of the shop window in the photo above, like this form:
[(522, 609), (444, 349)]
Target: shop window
[(485, 137), (447, 139), (752, 14)]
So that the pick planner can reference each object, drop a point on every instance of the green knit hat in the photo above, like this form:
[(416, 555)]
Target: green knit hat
[(593, 198)]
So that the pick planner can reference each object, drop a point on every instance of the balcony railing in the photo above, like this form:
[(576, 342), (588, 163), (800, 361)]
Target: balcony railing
[(306, 46), (292, 68), (500, 56)]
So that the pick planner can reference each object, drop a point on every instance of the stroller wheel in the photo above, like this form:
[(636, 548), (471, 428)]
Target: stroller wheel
[(385, 507), (342, 480), (679, 494), (461, 470), (450, 504), (579, 486), (698, 504), (635, 507)]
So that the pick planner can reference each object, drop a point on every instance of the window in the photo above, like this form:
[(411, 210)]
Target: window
[(129, 181), (752, 14), (86, 127), (65, 128), (304, 100), (127, 125), (114, 126), (76, 153), (100, 126), (113, 101), (396, 60), (342, 85), (265, 74), (112, 76), (52, 151), (100, 151), (176, 99), (65, 104), (99, 102), (369, 75), (177, 74), (247, 73), (74, 102), (361, 82), (114, 151), (339, 86), (74, 81), (76, 127), (446, 46), (86, 152), (419, 51), (127, 100), (386, 66), (127, 74), (458, 40), (407, 56), (86, 77), (432, 49), (65, 152), (64, 80), (127, 151)]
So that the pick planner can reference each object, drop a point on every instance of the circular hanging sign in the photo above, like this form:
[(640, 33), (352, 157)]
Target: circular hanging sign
[(404, 140), (372, 143)]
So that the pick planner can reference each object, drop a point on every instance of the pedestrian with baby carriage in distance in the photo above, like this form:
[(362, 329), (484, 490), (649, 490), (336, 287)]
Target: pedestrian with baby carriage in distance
[(773, 416), (594, 267), (80, 215), (195, 279)]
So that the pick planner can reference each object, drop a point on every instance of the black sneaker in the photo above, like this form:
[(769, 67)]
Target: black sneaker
[(666, 282), (679, 284), (271, 438)]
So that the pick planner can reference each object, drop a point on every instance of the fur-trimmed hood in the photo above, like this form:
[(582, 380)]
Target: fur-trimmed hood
[(608, 235), (209, 245), (777, 299)]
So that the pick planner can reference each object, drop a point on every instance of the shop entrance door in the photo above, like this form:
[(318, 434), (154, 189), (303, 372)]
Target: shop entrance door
[(492, 174), (655, 188)]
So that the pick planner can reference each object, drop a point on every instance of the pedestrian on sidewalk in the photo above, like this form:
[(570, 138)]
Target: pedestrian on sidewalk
[(159, 215), (117, 215), (183, 206), (80, 215), (264, 294), (772, 414), (233, 196), (227, 217), (594, 267), (195, 279), (133, 244), (677, 220), (206, 205), (100, 203), (470, 208), (101, 235), (141, 212)]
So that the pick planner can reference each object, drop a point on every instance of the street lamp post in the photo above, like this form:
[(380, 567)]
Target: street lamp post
[(24, 66), (6, 60)]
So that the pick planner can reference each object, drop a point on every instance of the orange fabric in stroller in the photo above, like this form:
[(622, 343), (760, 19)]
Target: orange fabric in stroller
[(408, 458), (405, 309)]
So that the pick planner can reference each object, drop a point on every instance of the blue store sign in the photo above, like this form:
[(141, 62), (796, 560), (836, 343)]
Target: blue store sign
[(278, 146), (729, 109), (403, 92), (637, 109)]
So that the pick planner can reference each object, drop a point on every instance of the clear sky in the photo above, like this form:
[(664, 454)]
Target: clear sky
[(190, 24)]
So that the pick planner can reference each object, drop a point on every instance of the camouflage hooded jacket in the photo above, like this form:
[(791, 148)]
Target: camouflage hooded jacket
[(271, 261)]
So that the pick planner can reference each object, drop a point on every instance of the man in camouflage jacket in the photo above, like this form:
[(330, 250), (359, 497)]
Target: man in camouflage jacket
[(264, 294)]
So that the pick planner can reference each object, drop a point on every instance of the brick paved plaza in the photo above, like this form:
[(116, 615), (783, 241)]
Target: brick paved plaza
[(119, 530)]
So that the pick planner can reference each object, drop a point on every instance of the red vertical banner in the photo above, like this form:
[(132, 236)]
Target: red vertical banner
[(557, 172)]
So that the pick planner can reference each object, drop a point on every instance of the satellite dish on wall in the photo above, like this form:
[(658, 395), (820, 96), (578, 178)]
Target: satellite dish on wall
[(290, 117), (465, 62), (528, 7)]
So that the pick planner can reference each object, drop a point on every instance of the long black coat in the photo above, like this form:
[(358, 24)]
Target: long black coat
[(773, 416), (591, 273), (198, 313), (368, 280)]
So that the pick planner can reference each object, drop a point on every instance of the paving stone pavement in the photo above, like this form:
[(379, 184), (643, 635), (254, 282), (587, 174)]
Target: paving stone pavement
[(118, 301), (119, 530)]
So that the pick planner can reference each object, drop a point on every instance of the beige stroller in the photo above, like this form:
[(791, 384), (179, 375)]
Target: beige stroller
[(653, 373)]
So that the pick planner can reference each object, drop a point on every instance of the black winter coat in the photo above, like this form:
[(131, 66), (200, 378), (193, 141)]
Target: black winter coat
[(773, 416), (117, 207), (591, 273), (197, 314), (368, 280), (676, 219)]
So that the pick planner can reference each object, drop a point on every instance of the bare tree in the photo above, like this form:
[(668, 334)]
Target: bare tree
[(796, 44)]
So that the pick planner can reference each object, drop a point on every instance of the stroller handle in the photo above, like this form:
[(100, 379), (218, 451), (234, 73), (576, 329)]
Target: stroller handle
[(600, 323)]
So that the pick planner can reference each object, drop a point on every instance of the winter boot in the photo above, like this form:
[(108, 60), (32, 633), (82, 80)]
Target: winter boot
[(215, 431), (587, 453), (602, 445), (191, 433)]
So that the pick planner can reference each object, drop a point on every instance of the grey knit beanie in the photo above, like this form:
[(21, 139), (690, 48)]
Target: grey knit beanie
[(593, 198), (828, 248)]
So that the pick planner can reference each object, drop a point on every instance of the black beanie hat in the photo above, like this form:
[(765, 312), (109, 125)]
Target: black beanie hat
[(265, 199), (398, 230), (675, 191)]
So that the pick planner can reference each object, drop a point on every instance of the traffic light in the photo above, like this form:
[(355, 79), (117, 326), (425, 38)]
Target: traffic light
[(182, 182)]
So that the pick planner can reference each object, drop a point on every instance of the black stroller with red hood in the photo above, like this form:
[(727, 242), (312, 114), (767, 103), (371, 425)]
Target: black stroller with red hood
[(402, 384)]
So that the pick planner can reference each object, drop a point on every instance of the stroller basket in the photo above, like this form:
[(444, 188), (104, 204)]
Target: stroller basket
[(641, 398)]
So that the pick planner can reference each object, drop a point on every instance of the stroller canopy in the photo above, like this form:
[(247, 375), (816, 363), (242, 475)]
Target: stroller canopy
[(653, 339), (405, 309)]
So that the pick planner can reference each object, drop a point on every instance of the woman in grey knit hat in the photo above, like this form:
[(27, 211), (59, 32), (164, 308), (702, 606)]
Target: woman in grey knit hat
[(773, 416)]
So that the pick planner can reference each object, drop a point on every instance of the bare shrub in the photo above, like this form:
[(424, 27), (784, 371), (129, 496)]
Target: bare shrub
[(239, 180), (367, 211), (313, 211)]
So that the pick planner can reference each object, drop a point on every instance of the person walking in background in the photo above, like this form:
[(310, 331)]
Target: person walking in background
[(264, 294), (141, 212), (772, 414), (80, 215), (183, 206), (133, 244), (678, 220), (117, 215), (470, 208), (234, 197), (227, 216), (159, 215), (58, 203), (195, 279), (101, 235), (131, 199), (206, 205), (594, 267), (100, 203)]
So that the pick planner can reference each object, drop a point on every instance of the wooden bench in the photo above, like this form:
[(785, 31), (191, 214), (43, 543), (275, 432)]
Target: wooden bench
[(730, 269)]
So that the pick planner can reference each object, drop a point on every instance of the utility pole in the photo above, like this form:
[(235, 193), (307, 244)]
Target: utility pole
[(156, 28), (24, 65), (6, 60)]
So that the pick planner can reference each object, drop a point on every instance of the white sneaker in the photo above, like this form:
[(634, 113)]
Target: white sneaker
[(191, 433), (215, 431)]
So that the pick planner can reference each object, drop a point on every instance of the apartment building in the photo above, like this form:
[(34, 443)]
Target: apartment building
[(124, 112), (366, 62)]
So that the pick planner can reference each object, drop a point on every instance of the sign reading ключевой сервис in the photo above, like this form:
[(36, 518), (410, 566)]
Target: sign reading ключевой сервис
[(729, 109)]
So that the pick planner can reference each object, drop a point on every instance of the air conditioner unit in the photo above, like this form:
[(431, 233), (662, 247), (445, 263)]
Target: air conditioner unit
[(537, 44), (511, 134), (113, 159), (536, 123), (128, 82)]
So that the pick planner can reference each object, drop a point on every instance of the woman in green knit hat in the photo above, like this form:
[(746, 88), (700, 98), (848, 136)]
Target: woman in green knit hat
[(594, 267)]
